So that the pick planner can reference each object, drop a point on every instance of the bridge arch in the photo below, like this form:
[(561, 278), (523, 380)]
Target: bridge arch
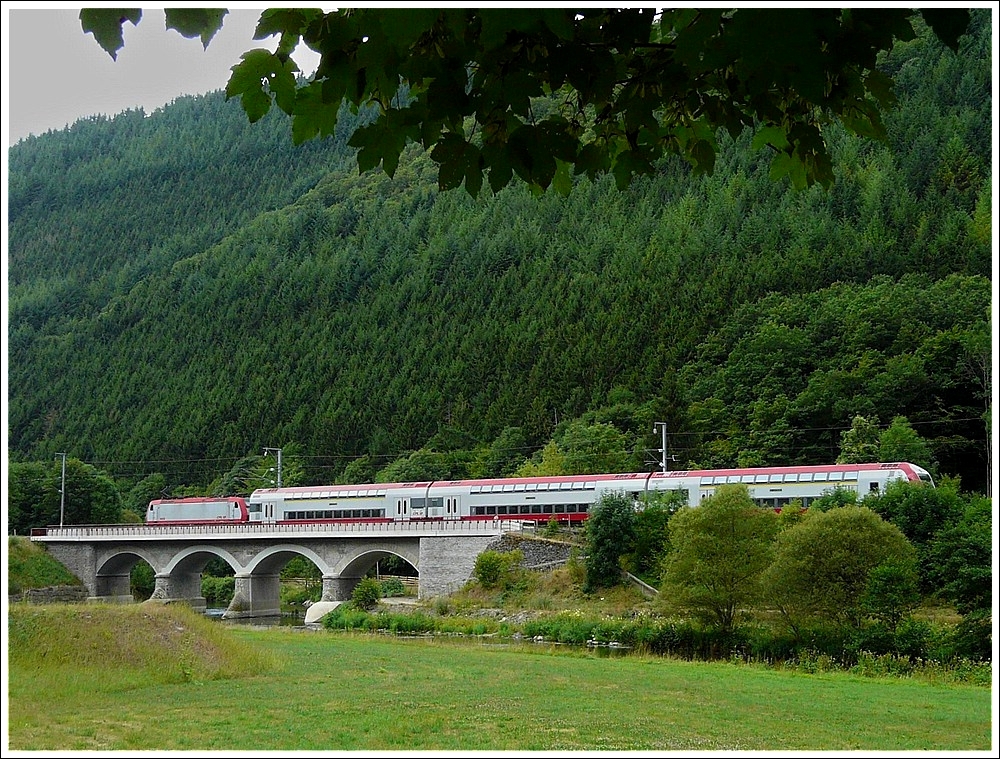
[(364, 559), (270, 560), (112, 578), (199, 556)]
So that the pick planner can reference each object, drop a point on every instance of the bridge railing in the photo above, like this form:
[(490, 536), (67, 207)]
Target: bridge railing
[(251, 529)]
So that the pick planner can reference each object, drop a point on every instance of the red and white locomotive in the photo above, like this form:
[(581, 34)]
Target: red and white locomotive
[(222, 510), (540, 499)]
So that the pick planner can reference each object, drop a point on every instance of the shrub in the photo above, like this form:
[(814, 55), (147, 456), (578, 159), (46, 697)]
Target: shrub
[(494, 569), (366, 593), (346, 617), (295, 594), (392, 587), (218, 591), (972, 636)]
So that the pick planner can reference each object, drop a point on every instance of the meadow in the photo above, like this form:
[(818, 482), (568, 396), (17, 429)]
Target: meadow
[(154, 677)]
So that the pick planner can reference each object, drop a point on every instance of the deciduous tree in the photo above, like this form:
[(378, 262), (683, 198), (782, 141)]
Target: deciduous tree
[(822, 566), (542, 93), (718, 552), (610, 536)]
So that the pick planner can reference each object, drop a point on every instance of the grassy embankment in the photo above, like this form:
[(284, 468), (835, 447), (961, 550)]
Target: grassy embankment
[(30, 566), (154, 677), (161, 677)]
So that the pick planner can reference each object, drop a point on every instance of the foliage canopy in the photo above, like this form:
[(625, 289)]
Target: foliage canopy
[(543, 92), (822, 565), (718, 553), (610, 535)]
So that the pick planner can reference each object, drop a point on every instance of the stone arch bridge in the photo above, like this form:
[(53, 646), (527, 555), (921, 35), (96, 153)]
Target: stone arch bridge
[(102, 556)]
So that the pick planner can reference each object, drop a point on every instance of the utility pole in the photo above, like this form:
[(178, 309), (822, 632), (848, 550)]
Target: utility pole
[(663, 447), (62, 490), (278, 452)]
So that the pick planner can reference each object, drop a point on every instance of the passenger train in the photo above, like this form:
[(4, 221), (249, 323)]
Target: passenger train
[(537, 499)]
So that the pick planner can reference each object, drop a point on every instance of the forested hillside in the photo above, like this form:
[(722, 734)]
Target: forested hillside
[(187, 288)]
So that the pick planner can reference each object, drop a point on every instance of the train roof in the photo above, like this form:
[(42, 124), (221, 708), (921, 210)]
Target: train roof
[(198, 499), (638, 477), (789, 469)]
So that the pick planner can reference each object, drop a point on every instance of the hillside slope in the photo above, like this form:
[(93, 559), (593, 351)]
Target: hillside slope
[(186, 288)]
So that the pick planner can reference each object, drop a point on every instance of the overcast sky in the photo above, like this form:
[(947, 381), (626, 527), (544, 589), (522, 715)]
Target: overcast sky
[(55, 73)]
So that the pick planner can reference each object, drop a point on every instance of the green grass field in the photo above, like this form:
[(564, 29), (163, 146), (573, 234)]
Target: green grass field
[(163, 678)]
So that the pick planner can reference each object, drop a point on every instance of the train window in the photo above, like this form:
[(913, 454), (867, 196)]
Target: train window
[(519, 487), (590, 486), (508, 488), (774, 478), (560, 508), (873, 487), (806, 477), (474, 489), (850, 476), (254, 508), (836, 476), (719, 480), (501, 509), (760, 478), (531, 486), (491, 509), (435, 503), (791, 477), (747, 478), (536, 508), (547, 509), (706, 480)]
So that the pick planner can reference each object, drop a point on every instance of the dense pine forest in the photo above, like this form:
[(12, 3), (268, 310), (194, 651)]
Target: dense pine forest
[(187, 288)]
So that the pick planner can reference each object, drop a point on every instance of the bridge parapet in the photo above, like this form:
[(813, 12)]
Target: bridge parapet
[(260, 530)]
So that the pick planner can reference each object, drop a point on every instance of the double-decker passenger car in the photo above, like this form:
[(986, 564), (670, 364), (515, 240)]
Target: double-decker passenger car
[(566, 498)]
